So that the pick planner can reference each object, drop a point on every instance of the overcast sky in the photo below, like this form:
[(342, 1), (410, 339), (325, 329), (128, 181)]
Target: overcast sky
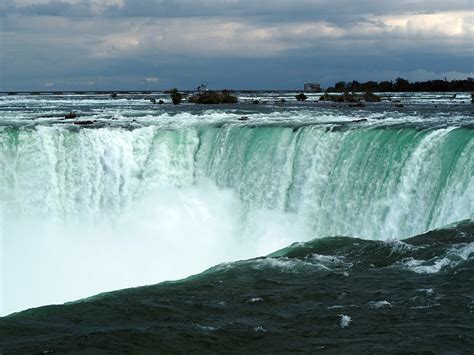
[(159, 44)]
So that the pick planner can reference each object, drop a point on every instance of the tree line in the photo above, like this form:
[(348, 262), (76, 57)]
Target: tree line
[(401, 84)]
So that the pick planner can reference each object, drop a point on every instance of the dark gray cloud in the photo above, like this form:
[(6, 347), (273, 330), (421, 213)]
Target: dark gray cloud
[(229, 43), (58, 8), (337, 11), (272, 9)]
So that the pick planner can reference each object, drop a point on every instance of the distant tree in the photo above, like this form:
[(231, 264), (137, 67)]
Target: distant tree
[(354, 86), (385, 86), (340, 86), (402, 85), (370, 86)]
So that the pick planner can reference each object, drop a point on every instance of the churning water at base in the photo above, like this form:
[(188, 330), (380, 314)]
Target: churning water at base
[(169, 234), (336, 295), (95, 209)]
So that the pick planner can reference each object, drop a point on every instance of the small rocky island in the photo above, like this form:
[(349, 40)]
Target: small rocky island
[(207, 97)]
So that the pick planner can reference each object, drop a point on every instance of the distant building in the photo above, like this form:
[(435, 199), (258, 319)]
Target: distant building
[(470, 79), (312, 87)]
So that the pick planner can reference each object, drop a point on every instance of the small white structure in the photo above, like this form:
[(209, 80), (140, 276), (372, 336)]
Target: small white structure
[(312, 87), (202, 88)]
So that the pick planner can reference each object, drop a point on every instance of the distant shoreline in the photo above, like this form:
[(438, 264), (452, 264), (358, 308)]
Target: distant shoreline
[(397, 85), (137, 92)]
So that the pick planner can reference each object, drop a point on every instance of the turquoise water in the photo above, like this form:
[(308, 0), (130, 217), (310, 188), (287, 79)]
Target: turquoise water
[(378, 183)]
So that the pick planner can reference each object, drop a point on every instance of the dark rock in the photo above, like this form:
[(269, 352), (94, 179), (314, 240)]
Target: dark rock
[(333, 98), (358, 104), (113, 95), (227, 98), (255, 102), (176, 97), (153, 100), (301, 97), (351, 97), (71, 115), (84, 122), (243, 118), (213, 97), (371, 97), (161, 102), (398, 105)]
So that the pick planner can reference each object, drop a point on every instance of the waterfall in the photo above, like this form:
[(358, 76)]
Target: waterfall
[(98, 209)]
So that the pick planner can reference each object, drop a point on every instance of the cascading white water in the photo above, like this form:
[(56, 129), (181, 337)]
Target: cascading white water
[(371, 183), (101, 209)]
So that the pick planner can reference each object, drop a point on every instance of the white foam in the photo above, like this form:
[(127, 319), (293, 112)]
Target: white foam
[(452, 258), (206, 328), (345, 320), (425, 267), (427, 306), (292, 265), (379, 304), (427, 291)]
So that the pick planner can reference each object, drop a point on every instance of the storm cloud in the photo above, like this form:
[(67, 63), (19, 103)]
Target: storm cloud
[(131, 44)]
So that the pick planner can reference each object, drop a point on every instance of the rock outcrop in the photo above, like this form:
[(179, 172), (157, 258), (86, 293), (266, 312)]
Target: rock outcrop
[(213, 97)]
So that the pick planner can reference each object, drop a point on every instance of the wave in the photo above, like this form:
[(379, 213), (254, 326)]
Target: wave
[(307, 296), (445, 249)]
